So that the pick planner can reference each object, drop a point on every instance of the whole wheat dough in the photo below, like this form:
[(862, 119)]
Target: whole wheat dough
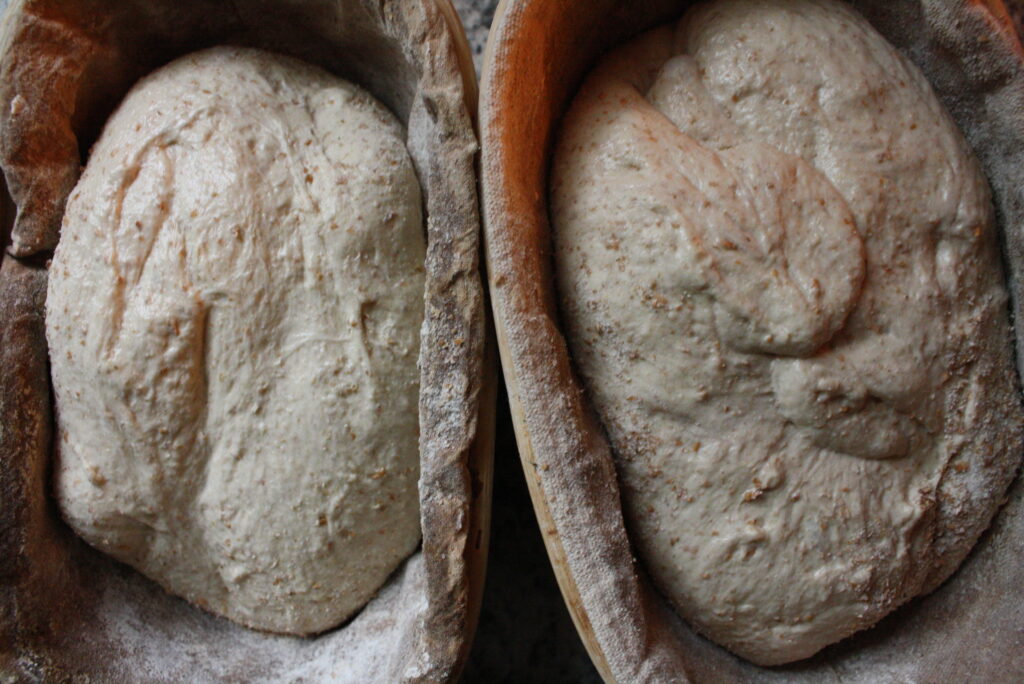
[(233, 319), (780, 284)]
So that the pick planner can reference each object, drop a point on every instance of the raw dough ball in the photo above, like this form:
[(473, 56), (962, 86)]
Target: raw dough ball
[(780, 283), (233, 319)]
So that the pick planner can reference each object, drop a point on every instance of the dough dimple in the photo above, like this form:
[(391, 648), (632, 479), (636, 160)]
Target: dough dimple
[(233, 319), (779, 281)]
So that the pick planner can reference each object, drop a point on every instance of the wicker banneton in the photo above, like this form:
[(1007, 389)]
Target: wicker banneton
[(971, 628), (69, 613)]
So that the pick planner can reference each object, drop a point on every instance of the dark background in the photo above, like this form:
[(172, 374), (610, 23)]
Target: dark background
[(525, 633)]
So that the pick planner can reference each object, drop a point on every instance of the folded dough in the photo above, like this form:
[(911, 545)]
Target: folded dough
[(233, 320), (780, 283)]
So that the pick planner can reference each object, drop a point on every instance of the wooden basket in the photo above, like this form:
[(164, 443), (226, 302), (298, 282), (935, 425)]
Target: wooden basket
[(66, 611), (972, 628)]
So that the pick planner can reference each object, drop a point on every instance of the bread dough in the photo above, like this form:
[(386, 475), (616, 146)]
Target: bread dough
[(233, 319), (780, 283)]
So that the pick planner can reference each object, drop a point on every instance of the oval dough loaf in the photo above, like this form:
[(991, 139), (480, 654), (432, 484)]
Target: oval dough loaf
[(781, 286), (233, 320)]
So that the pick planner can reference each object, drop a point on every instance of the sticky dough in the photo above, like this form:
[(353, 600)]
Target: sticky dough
[(233, 319), (780, 284)]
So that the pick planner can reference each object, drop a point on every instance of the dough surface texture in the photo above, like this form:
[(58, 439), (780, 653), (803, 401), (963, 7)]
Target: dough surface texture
[(233, 318), (780, 283)]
